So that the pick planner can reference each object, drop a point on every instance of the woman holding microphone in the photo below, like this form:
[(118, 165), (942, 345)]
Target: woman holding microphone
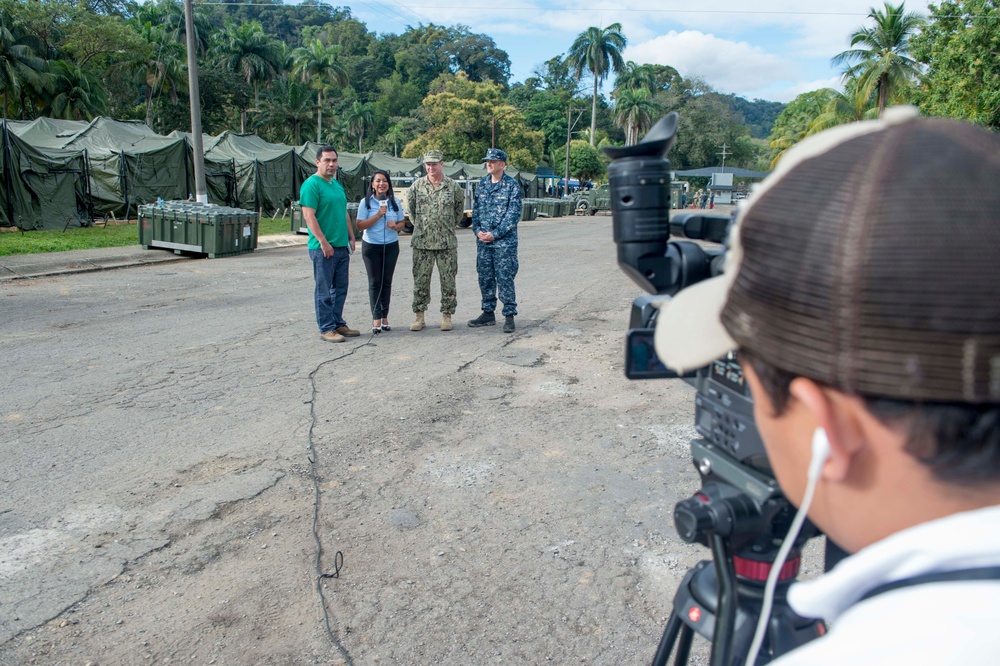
[(380, 216)]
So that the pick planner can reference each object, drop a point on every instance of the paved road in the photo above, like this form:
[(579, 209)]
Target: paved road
[(496, 497)]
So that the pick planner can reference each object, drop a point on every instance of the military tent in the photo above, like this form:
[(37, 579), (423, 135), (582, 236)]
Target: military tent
[(43, 188), (268, 175), (59, 173)]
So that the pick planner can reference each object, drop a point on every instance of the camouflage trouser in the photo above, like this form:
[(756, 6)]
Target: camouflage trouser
[(423, 267), (497, 267)]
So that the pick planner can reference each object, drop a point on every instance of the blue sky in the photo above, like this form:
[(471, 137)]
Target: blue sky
[(768, 49)]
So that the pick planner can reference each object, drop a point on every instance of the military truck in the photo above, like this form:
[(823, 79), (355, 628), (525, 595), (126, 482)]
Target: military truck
[(588, 202)]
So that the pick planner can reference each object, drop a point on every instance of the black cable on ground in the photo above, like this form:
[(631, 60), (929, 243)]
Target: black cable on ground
[(338, 559)]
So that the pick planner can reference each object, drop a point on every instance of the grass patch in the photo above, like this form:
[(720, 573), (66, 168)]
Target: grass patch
[(88, 238)]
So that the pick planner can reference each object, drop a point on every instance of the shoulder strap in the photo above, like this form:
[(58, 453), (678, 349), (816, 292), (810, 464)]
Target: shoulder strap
[(981, 573)]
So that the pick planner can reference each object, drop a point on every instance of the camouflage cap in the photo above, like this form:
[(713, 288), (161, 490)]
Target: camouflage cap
[(433, 156), (495, 155)]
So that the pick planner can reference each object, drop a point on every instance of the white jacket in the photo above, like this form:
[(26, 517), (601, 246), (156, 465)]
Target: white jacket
[(932, 623)]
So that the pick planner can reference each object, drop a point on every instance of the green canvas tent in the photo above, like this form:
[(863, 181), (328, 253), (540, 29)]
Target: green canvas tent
[(57, 173), (131, 165), (268, 175), (43, 187)]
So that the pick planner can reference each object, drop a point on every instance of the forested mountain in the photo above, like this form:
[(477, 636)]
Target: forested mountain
[(314, 71), (759, 115)]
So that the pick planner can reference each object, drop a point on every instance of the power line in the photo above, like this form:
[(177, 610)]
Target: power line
[(535, 9)]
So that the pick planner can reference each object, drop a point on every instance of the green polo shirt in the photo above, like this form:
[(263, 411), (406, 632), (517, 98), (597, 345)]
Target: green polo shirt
[(329, 201)]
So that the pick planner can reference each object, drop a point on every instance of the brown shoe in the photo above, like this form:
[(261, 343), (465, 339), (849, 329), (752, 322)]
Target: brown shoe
[(445, 322), (332, 336), (348, 332)]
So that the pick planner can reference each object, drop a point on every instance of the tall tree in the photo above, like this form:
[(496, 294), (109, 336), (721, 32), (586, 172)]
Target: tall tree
[(849, 106), (959, 47), (157, 66), (634, 77), (460, 114), (359, 117), (394, 135), (634, 112), (796, 121), (245, 49), (288, 107), (600, 51), (169, 14), (20, 64), (317, 64), (75, 94), (882, 64)]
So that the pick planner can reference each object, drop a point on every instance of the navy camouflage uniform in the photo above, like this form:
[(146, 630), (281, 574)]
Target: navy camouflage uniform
[(497, 209)]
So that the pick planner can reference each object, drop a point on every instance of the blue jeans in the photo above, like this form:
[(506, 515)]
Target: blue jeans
[(331, 277)]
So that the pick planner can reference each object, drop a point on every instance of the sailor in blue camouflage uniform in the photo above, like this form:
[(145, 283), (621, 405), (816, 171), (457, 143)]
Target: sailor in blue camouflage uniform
[(495, 214)]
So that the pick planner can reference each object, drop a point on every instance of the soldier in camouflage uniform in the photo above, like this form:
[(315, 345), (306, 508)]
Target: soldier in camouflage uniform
[(495, 215), (435, 204)]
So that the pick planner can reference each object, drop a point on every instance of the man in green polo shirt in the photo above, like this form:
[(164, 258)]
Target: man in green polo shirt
[(331, 242)]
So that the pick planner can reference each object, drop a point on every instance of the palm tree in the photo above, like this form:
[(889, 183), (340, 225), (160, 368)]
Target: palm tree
[(633, 77), (845, 107), (600, 51), (337, 133), (169, 15), (884, 64), (317, 64), (19, 63), (246, 50), (358, 118), (158, 66), (634, 112), (75, 94), (795, 122), (288, 106), (394, 135)]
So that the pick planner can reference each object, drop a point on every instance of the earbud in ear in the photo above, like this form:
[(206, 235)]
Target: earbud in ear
[(820, 452)]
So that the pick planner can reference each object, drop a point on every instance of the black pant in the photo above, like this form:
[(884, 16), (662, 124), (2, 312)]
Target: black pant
[(380, 262)]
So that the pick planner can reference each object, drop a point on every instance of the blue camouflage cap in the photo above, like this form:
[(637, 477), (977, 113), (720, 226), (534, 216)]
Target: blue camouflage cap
[(495, 154)]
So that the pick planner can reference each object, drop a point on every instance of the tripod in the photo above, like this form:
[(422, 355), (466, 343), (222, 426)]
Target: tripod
[(722, 603)]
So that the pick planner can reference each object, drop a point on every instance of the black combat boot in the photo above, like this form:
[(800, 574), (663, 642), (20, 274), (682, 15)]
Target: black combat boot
[(508, 324), (485, 319)]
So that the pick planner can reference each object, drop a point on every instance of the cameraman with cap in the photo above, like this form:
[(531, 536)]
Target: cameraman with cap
[(862, 294)]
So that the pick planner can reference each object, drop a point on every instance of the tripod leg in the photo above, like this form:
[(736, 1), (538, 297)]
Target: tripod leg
[(725, 615), (674, 625), (684, 645)]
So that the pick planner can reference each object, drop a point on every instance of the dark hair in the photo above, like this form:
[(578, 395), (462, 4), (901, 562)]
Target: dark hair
[(370, 190), (959, 442), (326, 149)]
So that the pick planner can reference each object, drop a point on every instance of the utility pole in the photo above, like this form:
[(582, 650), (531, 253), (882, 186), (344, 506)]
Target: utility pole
[(724, 153), (198, 146), (569, 136)]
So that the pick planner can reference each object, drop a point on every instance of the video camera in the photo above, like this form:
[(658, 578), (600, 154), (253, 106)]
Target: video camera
[(740, 512)]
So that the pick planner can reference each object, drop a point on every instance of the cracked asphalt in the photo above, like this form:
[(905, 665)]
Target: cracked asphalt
[(496, 498)]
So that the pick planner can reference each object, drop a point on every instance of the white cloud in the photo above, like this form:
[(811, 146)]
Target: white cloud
[(727, 66)]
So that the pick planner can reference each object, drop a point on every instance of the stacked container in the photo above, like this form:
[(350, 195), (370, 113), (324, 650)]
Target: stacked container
[(190, 226)]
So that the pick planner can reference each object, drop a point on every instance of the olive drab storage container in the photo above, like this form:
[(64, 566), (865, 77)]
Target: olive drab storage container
[(189, 226), (299, 222)]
